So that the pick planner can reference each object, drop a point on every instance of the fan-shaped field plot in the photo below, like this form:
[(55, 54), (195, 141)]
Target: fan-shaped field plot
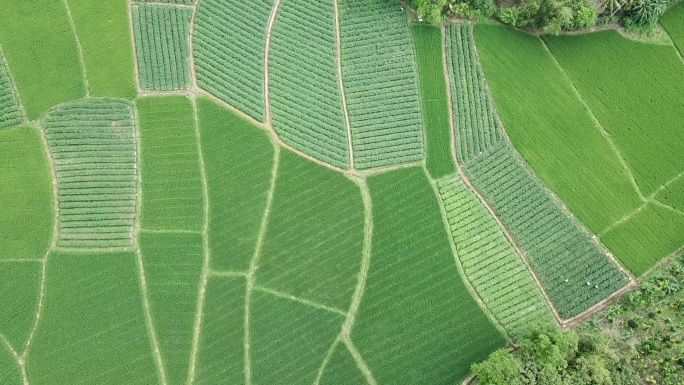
[(551, 127), (229, 44), (305, 94), (417, 322), (238, 159), (171, 179), (314, 239), (103, 31), (381, 83), (92, 329), (221, 350), (173, 270), (490, 261), (10, 110), (162, 44), (93, 146), (342, 369), (27, 215), (19, 296), (41, 49)]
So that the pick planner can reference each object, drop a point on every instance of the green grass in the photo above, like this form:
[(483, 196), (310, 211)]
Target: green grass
[(342, 369), (647, 237), (173, 271), (552, 129), (92, 329), (417, 323), (10, 112), (305, 94), (380, 83), (433, 93), (93, 145), (572, 268), (232, 69), (9, 368), (635, 91), (41, 50), (673, 194), (104, 33), (491, 263), (220, 357), (314, 239), (238, 159), (171, 179), (672, 22), (162, 44), (288, 340), (26, 218), (19, 296)]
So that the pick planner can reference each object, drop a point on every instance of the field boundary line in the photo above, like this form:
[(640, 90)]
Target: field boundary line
[(345, 111), (15, 90), (360, 362), (152, 2), (293, 298), (255, 259), (267, 51), (94, 250), (19, 260), (74, 31), (183, 92), (138, 81), (598, 306), (201, 294), (667, 207), (21, 359), (459, 265), (669, 36), (191, 46), (598, 124), (326, 360), (169, 231), (466, 180), (382, 169), (215, 273)]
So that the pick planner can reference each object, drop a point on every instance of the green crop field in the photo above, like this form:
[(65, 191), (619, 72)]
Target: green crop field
[(162, 34), (329, 192), (171, 182), (304, 90)]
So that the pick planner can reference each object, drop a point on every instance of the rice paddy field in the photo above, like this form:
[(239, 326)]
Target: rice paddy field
[(295, 192)]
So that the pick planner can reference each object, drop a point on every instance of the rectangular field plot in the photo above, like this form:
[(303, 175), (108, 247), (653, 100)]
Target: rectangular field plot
[(305, 94), (41, 51), (19, 297), (104, 33), (490, 262), (173, 272), (238, 158), (572, 268), (162, 44), (93, 145), (92, 329), (10, 111), (417, 322), (551, 127), (647, 237), (433, 93), (314, 239), (381, 83), (642, 115), (288, 340), (27, 214), (221, 354), (171, 179), (229, 44)]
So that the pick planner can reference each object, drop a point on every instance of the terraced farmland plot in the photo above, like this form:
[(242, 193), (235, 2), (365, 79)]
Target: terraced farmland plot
[(552, 128), (417, 322), (490, 262), (573, 269), (10, 110), (306, 102), (27, 215), (171, 179), (239, 160), (380, 82), (229, 44), (41, 50), (93, 146), (162, 39)]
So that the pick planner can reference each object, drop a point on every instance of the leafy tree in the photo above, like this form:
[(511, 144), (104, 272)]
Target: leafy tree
[(430, 10)]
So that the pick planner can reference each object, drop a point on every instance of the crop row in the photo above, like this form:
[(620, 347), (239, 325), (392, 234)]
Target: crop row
[(228, 45), (490, 261), (574, 270), (93, 144), (381, 83), (476, 125), (10, 114), (162, 34)]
